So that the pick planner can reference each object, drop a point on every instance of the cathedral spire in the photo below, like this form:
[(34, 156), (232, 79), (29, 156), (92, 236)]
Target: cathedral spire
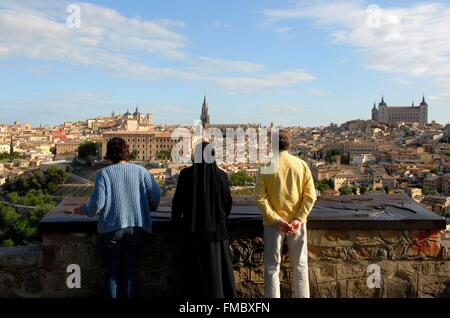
[(204, 116), (423, 103)]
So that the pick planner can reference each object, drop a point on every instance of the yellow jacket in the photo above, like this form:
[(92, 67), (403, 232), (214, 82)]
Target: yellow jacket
[(288, 193)]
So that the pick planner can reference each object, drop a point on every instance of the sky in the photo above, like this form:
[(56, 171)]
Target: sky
[(290, 62)]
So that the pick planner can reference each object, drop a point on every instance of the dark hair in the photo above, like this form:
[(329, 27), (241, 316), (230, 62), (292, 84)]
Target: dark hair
[(117, 150), (285, 140)]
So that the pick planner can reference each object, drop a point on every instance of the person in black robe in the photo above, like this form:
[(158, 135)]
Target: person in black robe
[(202, 203)]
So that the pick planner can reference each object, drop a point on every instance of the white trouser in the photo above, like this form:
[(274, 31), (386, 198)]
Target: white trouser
[(298, 254)]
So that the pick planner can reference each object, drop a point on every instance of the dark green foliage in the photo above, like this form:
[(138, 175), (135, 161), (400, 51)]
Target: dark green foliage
[(364, 189), (323, 185), (134, 155), (240, 178), (55, 175), (164, 155), (16, 229), (8, 156), (46, 181), (330, 156), (7, 243), (88, 149), (346, 190)]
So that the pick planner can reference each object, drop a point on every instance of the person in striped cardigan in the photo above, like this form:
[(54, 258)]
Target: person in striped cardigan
[(123, 197)]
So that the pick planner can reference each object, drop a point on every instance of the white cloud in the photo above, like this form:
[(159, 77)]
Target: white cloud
[(274, 80), (282, 29), (442, 82), (213, 65), (123, 46), (41, 33), (440, 97), (410, 40)]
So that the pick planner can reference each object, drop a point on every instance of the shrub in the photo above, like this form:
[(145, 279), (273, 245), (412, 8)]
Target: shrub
[(240, 178), (8, 243)]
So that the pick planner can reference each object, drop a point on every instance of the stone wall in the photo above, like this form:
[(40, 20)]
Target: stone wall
[(412, 263)]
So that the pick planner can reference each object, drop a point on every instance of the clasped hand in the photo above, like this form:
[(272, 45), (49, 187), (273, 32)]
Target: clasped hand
[(289, 228)]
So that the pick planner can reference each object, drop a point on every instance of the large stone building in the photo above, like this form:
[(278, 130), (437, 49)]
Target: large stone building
[(146, 143), (400, 114)]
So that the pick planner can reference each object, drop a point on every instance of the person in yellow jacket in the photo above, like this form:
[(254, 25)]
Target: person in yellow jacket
[(285, 196)]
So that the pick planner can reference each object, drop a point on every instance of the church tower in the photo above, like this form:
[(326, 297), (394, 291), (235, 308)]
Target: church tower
[(374, 112), (423, 118), (204, 116)]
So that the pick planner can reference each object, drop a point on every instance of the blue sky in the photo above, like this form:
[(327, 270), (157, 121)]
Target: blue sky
[(305, 63)]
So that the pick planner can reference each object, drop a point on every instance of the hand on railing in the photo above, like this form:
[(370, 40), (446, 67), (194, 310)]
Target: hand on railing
[(77, 211)]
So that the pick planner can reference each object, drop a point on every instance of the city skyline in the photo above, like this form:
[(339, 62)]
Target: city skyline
[(288, 62)]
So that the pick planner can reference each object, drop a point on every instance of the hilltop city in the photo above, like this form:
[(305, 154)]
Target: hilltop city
[(397, 150)]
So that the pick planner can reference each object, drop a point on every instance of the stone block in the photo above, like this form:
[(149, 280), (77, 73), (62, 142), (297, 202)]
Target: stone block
[(82, 254), (436, 268), (251, 290), (434, 286), (323, 272), (400, 284), (32, 284), (386, 266), (351, 270), (257, 275), (329, 238), (55, 283), (327, 289), (365, 238), (6, 284), (357, 288), (390, 237), (410, 266), (335, 253), (26, 256)]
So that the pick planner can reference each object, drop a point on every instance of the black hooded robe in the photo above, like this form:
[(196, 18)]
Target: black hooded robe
[(202, 203)]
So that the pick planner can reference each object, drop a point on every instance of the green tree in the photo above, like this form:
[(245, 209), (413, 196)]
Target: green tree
[(323, 185), (8, 156), (164, 155), (330, 156), (87, 149), (240, 178), (133, 155), (387, 189), (89, 160), (36, 180), (8, 243), (55, 175), (13, 197), (346, 190), (434, 170), (364, 189), (16, 229)]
